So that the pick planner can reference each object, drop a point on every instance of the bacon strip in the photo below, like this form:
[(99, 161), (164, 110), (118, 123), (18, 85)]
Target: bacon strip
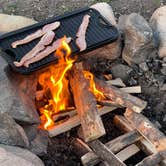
[(45, 40), (81, 41), (37, 34), (46, 52)]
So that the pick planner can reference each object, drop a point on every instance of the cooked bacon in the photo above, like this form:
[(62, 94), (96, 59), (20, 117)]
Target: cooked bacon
[(81, 34), (37, 34), (45, 40), (46, 52)]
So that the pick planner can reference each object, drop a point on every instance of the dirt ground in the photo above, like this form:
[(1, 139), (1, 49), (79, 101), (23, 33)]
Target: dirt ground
[(59, 151), (42, 9)]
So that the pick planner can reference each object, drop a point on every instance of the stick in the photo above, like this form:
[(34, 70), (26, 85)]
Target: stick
[(128, 152), (86, 106), (116, 82), (133, 89), (119, 97)]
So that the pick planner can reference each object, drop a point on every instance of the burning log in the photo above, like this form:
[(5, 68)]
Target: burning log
[(118, 97), (85, 104), (73, 122)]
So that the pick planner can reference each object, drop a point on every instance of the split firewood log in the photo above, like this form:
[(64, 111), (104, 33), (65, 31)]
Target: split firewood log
[(120, 98), (86, 105)]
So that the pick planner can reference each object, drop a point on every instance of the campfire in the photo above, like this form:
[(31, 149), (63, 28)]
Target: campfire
[(72, 92), (55, 84)]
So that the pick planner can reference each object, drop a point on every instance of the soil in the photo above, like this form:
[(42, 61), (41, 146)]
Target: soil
[(60, 151)]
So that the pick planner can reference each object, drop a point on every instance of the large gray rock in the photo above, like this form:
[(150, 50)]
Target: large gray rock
[(40, 143), (18, 94), (121, 71), (158, 24), (17, 91), (110, 51), (31, 131), (138, 37), (11, 133), (38, 139), (15, 156), (11, 22)]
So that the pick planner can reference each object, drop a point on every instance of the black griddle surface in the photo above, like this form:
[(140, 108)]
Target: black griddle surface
[(99, 32)]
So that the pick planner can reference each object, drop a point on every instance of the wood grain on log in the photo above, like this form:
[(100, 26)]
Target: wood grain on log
[(118, 97), (128, 152), (147, 129), (151, 160), (123, 124), (146, 145), (86, 105)]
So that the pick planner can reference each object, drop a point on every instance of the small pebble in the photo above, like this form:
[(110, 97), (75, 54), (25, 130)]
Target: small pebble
[(164, 119), (163, 70), (157, 124), (164, 59), (144, 66)]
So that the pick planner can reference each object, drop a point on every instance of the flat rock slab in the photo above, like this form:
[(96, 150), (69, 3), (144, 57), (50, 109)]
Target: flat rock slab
[(11, 22), (11, 133), (138, 37), (158, 24), (10, 155)]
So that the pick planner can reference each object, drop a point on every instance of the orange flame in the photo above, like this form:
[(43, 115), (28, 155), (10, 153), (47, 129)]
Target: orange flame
[(55, 80), (98, 94), (49, 121)]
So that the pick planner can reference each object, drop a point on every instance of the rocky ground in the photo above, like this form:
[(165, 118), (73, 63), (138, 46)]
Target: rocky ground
[(41, 9), (149, 75)]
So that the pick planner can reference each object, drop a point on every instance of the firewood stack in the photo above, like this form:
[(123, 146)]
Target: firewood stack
[(140, 133)]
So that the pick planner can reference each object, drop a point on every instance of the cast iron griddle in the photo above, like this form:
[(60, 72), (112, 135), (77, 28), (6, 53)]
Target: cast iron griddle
[(99, 32)]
